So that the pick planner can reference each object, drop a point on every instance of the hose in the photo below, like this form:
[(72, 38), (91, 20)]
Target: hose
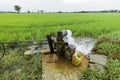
[(2, 55)]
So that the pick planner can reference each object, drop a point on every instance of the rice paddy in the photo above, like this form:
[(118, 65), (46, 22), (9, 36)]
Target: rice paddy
[(104, 27), (29, 26)]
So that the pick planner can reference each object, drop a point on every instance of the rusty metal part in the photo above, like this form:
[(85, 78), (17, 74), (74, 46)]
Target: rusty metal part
[(61, 34), (50, 42), (63, 47), (60, 46)]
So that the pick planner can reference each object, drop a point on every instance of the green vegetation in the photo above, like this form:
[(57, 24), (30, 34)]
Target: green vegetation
[(29, 26), (16, 66), (104, 27), (112, 72)]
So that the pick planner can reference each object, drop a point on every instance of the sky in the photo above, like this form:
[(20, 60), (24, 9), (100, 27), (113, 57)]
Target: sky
[(60, 5)]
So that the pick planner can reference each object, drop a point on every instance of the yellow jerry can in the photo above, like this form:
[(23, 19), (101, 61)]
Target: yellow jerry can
[(77, 58)]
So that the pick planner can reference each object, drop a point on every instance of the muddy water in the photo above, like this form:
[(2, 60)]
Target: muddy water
[(57, 67)]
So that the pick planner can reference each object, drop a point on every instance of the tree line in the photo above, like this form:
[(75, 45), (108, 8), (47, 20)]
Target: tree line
[(18, 9)]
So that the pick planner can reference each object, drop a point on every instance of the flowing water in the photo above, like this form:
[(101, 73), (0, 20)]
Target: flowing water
[(83, 45), (56, 67)]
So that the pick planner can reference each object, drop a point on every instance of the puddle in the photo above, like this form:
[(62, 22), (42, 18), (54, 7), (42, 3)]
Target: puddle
[(56, 67)]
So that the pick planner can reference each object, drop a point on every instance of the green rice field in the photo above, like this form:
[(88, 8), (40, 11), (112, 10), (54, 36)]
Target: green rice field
[(29, 26), (103, 27)]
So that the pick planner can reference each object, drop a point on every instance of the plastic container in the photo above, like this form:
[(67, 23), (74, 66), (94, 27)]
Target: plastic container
[(77, 58)]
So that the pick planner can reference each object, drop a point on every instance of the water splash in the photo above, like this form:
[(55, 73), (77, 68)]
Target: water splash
[(84, 45)]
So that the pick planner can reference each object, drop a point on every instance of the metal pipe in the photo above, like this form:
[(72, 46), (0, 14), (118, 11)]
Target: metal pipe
[(24, 41), (3, 51), (50, 42)]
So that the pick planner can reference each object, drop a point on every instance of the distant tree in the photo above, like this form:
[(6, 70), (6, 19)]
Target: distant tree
[(42, 11), (28, 11), (60, 12), (17, 8)]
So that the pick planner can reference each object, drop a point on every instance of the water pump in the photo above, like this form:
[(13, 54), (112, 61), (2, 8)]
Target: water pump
[(62, 45)]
